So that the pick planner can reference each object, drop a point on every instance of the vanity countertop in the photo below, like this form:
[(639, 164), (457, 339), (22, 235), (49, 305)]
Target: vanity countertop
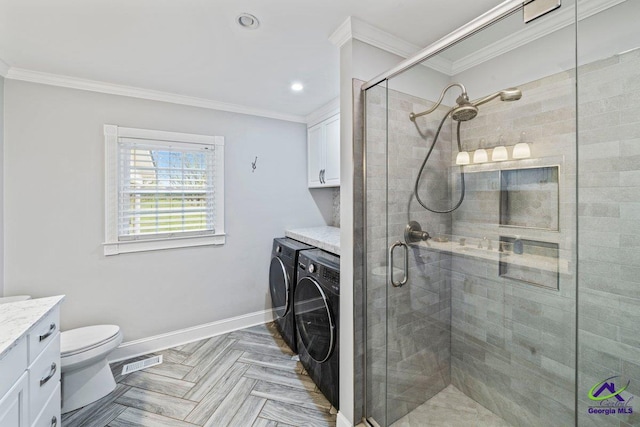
[(327, 238), (17, 319)]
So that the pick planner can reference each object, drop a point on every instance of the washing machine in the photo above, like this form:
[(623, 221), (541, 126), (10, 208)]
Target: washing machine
[(282, 282), (316, 308)]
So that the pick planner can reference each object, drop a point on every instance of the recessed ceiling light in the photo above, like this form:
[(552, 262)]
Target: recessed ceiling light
[(297, 87), (248, 21)]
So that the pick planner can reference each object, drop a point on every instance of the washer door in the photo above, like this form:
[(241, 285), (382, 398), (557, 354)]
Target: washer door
[(314, 320), (279, 286)]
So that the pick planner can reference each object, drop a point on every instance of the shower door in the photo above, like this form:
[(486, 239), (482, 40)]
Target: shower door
[(408, 323), (474, 323)]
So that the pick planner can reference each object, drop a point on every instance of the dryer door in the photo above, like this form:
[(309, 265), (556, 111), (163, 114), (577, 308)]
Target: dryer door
[(314, 320), (279, 282)]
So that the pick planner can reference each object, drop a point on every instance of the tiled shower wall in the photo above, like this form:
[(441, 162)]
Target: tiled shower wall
[(609, 231), (513, 343), (336, 207), (408, 351)]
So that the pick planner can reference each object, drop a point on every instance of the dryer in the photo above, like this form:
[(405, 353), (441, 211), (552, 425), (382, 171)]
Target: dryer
[(317, 308), (282, 281)]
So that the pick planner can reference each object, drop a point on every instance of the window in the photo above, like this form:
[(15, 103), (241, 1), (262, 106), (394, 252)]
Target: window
[(164, 190)]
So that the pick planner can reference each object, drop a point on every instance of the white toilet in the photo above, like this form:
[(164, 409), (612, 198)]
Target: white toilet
[(86, 376)]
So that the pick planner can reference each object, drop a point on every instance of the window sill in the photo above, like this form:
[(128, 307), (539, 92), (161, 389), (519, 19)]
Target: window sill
[(125, 247)]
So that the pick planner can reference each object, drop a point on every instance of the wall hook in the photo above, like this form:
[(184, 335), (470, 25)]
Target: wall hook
[(253, 165)]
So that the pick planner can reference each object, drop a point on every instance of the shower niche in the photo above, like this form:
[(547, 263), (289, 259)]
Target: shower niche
[(537, 265), (529, 198)]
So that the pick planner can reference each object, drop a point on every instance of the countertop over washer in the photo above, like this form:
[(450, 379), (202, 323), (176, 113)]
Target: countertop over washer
[(327, 238)]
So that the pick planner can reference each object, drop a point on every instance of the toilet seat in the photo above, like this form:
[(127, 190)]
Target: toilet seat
[(85, 339)]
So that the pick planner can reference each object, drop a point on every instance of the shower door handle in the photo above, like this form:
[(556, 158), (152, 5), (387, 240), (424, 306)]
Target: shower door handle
[(406, 264)]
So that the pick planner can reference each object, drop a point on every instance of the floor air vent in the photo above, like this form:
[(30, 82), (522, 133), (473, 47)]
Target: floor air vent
[(141, 364)]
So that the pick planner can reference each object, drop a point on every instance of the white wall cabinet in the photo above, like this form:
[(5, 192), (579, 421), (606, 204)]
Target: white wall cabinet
[(323, 153)]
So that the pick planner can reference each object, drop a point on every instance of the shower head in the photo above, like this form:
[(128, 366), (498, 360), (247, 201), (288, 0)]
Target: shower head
[(466, 110), (510, 94)]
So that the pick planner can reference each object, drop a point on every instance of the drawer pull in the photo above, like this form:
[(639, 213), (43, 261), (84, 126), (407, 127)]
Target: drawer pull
[(51, 330), (54, 421), (44, 380)]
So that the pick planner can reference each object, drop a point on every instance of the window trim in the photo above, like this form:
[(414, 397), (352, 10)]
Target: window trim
[(113, 246)]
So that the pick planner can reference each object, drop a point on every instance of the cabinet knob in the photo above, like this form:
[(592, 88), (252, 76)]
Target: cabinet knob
[(54, 421)]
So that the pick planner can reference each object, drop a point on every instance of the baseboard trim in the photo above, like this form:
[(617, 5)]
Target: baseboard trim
[(183, 336), (342, 421)]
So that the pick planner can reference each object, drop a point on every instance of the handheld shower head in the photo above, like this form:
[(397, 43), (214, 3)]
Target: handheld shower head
[(510, 94)]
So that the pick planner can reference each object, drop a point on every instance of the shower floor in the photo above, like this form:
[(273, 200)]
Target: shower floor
[(451, 408)]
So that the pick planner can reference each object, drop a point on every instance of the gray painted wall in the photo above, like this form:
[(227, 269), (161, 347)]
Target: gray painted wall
[(55, 211)]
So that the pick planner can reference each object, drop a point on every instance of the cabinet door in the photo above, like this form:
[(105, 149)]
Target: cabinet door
[(331, 175), (315, 155), (13, 405)]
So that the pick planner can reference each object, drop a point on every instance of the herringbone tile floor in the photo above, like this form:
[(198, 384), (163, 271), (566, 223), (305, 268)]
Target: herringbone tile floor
[(246, 378)]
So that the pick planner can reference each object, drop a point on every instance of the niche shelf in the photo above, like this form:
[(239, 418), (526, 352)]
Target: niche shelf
[(538, 264)]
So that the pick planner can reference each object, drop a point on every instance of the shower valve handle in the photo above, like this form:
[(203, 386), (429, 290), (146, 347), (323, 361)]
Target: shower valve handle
[(413, 233), (419, 235)]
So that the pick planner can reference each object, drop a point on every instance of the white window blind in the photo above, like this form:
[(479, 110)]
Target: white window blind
[(165, 189)]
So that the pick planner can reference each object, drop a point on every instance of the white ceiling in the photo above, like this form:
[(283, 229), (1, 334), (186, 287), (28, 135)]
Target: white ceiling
[(194, 48)]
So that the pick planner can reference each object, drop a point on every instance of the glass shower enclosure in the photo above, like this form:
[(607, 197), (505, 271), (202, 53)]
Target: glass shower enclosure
[(502, 224)]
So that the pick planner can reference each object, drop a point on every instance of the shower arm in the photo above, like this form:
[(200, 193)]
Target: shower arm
[(486, 99), (464, 97)]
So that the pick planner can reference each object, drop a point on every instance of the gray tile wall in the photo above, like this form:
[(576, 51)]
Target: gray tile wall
[(335, 221), (609, 230), (513, 343)]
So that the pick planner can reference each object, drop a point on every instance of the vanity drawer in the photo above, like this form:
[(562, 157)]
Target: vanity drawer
[(12, 365), (43, 332), (50, 415), (44, 376)]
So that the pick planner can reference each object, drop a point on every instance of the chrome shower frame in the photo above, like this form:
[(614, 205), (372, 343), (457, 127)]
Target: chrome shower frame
[(487, 19), (503, 10)]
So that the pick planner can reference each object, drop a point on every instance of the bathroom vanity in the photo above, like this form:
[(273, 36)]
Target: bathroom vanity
[(30, 363)]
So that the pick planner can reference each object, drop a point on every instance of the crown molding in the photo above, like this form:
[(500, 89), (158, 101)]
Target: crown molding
[(134, 92), (328, 110), (4, 68), (553, 22), (342, 34), (354, 28)]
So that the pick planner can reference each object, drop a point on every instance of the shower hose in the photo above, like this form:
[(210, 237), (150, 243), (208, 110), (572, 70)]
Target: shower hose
[(424, 163)]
